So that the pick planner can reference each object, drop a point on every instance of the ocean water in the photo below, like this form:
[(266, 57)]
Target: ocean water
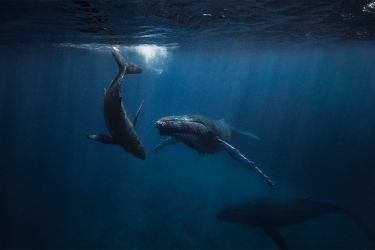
[(300, 75)]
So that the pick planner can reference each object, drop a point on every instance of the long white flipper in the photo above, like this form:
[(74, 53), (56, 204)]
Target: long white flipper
[(248, 163)]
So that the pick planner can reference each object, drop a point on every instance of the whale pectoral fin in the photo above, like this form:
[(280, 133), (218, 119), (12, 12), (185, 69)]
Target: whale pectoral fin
[(276, 237), (167, 142), (102, 138), (137, 114), (236, 154)]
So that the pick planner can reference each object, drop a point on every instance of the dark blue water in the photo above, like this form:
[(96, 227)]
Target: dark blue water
[(312, 105)]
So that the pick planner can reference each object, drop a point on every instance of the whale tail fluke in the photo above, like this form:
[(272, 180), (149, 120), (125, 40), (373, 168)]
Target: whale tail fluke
[(133, 69), (128, 68), (364, 227), (123, 68), (356, 220)]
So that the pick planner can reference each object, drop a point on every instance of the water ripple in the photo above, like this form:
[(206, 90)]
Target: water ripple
[(187, 22), (370, 7)]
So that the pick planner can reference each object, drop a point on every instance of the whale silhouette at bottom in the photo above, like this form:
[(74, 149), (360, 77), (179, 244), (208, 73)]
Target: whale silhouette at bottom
[(272, 213)]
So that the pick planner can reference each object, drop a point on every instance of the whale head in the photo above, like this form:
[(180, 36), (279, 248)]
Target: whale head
[(180, 125)]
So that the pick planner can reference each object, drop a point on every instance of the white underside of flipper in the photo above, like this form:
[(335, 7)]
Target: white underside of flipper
[(236, 154)]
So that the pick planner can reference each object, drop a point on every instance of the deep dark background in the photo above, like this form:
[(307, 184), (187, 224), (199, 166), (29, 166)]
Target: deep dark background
[(313, 109), (312, 104)]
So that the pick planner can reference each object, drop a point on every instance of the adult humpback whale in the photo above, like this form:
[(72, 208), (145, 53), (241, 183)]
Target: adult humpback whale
[(117, 122), (204, 135), (271, 213)]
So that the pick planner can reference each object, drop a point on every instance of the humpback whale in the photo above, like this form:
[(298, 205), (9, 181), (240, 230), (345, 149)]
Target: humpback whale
[(204, 135), (272, 213), (117, 122)]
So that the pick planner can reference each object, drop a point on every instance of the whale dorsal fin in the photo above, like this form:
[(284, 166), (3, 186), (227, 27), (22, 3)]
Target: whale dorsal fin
[(236, 154), (137, 114), (360, 223), (249, 134), (276, 237)]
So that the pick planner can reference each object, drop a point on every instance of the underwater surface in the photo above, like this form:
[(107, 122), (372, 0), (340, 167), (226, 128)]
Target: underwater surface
[(298, 74)]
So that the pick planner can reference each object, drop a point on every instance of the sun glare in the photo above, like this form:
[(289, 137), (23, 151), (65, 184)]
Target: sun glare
[(153, 55), (151, 52)]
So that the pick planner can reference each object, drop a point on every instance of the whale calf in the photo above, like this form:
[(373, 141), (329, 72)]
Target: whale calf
[(204, 135), (272, 213), (117, 122)]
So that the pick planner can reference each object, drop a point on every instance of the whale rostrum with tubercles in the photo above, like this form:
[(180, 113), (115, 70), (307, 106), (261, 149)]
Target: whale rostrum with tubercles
[(121, 129)]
